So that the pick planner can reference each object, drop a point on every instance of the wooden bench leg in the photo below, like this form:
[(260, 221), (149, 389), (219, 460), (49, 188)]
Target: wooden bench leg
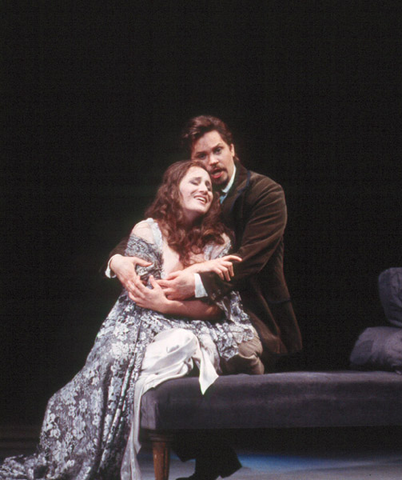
[(161, 454)]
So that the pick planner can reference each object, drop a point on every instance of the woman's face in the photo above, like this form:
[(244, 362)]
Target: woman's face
[(196, 193)]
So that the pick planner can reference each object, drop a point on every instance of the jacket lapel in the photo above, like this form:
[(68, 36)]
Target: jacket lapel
[(240, 184)]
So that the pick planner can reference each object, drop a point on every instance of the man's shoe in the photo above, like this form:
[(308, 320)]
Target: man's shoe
[(201, 476), (196, 476), (207, 470)]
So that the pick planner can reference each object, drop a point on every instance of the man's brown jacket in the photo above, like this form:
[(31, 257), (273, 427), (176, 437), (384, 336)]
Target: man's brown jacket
[(255, 210)]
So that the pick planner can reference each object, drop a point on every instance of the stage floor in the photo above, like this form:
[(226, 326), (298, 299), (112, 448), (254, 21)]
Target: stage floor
[(262, 466), (294, 454)]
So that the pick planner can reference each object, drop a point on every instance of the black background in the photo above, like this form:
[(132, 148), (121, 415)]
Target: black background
[(94, 98)]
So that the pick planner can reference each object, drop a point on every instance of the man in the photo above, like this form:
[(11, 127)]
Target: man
[(254, 208)]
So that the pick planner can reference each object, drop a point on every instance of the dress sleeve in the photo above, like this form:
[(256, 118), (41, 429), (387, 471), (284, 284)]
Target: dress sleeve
[(142, 230), (141, 244), (216, 251)]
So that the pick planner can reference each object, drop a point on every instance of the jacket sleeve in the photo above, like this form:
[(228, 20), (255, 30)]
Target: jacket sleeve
[(265, 208), (118, 249)]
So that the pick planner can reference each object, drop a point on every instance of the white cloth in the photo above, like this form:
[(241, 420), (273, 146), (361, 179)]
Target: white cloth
[(108, 272), (171, 355), (200, 291)]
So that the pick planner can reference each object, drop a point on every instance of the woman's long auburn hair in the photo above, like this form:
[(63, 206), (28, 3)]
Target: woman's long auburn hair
[(167, 210)]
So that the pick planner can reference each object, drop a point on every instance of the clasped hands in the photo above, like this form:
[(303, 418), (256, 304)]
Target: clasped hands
[(178, 285)]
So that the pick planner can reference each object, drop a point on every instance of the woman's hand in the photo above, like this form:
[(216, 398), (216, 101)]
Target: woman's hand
[(151, 298), (221, 266), (154, 299)]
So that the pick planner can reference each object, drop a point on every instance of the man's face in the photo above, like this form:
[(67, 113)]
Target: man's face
[(216, 155)]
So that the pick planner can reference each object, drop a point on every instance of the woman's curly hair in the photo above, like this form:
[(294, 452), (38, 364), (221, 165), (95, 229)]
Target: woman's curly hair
[(168, 211)]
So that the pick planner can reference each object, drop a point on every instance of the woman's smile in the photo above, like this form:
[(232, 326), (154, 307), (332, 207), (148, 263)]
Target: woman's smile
[(196, 193)]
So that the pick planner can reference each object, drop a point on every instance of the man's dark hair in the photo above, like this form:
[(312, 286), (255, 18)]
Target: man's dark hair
[(198, 126)]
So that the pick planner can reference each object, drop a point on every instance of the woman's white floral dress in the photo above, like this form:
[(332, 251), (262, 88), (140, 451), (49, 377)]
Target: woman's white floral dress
[(87, 422)]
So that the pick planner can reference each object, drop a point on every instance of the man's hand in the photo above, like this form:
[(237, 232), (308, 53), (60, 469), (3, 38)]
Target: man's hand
[(222, 266), (151, 298), (124, 268), (178, 285)]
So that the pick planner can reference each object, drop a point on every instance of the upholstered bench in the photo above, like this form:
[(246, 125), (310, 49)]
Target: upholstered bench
[(280, 400)]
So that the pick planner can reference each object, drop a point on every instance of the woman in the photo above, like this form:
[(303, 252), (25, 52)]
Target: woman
[(87, 423)]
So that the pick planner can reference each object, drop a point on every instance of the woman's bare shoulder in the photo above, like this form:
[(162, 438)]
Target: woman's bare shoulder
[(143, 230)]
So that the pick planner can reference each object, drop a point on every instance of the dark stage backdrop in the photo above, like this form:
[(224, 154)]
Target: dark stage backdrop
[(94, 99)]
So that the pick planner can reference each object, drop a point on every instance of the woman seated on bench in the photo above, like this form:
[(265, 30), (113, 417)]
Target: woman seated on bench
[(144, 341)]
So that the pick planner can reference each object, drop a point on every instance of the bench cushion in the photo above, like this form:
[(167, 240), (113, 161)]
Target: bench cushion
[(378, 348), (295, 399), (390, 290)]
